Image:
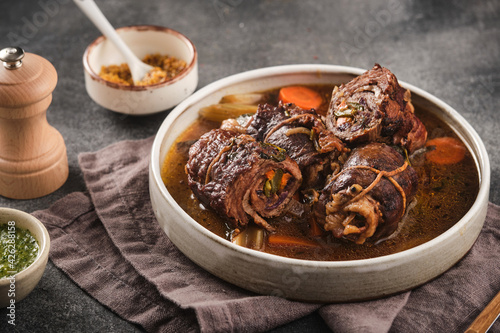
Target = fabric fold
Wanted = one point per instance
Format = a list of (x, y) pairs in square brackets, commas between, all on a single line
[(119, 190), (109, 243), (373, 316), (81, 248)]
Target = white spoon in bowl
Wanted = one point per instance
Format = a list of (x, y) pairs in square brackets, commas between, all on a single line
[(137, 67)]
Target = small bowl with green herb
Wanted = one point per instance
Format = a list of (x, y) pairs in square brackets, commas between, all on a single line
[(24, 251)]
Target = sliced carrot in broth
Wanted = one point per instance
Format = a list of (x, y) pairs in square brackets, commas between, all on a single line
[(301, 96), (280, 240), (446, 150)]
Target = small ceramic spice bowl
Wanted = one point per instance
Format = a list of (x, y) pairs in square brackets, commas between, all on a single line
[(141, 99), (14, 288)]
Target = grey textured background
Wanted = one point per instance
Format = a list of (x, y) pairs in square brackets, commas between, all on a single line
[(448, 48)]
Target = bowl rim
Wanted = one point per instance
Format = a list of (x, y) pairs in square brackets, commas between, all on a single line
[(95, 76), (43, 243), (482, 162)]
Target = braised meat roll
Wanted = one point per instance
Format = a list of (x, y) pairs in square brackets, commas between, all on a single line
[(302, 134), (240, 178), (374, 107), (369, 196)]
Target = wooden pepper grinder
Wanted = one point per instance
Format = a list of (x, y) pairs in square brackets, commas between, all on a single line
[(33, 160)]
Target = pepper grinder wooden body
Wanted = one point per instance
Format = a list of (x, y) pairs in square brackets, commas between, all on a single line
[(33, 160)]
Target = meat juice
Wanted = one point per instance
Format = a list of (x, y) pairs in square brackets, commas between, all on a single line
[(445, 193)]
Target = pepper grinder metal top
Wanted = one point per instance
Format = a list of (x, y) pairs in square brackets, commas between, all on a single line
[(33, 160), (12, 57)]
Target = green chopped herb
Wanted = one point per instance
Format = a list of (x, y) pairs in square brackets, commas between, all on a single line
[(350, 110), (280, 156), (267, 188), (18, 249), (276, 181), (356, 106), (271, 186)]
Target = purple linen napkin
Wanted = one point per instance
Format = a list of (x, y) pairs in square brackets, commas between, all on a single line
[(109, 242)]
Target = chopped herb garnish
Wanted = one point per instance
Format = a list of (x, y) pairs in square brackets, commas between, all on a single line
[(267, 188), (271, 186), (276, 181), (280, 156), (350, 109), (18, 249)]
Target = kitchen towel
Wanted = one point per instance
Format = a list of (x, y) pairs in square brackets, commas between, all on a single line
[(108, 241)]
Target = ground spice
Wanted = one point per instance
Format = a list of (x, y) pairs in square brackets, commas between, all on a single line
[(165, 68)]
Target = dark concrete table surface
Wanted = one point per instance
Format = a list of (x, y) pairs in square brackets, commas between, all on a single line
[(449, 48)]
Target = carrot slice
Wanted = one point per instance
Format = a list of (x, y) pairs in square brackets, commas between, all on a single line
[(270, 174), (284, 180), (301, 96), (280, 240), (447, 150)]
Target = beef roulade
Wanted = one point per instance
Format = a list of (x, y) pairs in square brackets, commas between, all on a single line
[(240, 178), (302, 134), (374, 107), (369, 196)]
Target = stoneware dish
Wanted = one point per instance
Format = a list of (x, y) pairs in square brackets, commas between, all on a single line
[(306, 280), (27, 279), (140, 100)]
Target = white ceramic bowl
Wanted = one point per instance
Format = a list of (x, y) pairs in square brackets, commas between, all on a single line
[(140, 100), (306, 280), (24, 282)]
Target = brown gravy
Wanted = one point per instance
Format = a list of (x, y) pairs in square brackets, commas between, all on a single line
[(445, 194)]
